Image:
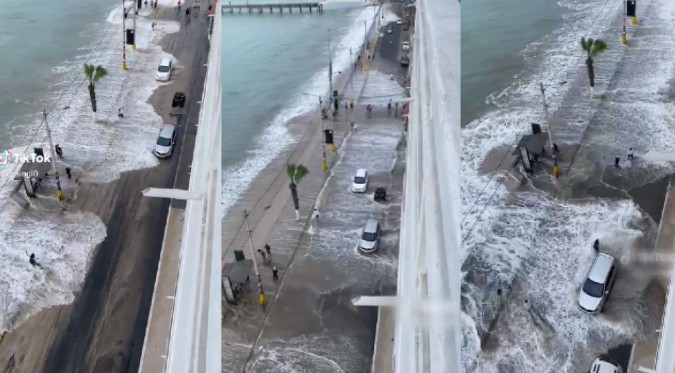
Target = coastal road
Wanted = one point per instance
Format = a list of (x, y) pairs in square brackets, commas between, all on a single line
[(104, 328)]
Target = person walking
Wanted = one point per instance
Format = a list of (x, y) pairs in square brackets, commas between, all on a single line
[(68, 172), (268, 249), (316, 213), (630, 154), (596, 246), (275, 274), (556, 169), (616, 161), (58, 150), (119, 113)]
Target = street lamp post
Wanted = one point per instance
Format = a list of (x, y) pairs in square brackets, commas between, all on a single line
[(548, 119), (261, 291), (59, 191), (124, 37), (135, 16)]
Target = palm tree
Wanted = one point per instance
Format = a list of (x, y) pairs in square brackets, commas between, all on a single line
[(296, 173), (592, 48), (93, 74)]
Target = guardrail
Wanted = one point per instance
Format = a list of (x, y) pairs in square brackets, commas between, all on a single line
[(428, 330)]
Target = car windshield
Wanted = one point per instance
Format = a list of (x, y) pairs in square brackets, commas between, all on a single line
[(163, 69), (164, 141), (368, 236), (359, 180), (593, 288)]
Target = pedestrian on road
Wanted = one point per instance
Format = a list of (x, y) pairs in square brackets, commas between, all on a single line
[(68, 172), (596, 246), (630, 154), (556, 169), (316, 213), (556, 151), (616, 161), (275, 274), (119, 113), (268, 249), (146, 3), (389, 105), (58, 150), (351, 105)]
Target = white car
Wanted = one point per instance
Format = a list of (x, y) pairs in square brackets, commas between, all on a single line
[(360, 181), (370, 237), (405, 46), (164, 70), (599, 281), (165, 141), (605, 365), (399, 22)]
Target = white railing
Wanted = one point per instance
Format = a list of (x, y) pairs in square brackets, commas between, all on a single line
[(428, 327), (195, 340), (665, 358)]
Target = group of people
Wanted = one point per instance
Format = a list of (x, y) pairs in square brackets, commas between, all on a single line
[(267, 256)]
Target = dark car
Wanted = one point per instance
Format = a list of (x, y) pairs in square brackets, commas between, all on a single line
[(405, 61), (380, 194), (178, 99)]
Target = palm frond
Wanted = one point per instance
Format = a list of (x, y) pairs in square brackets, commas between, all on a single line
[(300, 172), (99, 73), (599, 46), (290, 170), (89, 71)]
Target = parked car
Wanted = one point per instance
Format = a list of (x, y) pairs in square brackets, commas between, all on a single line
[(380, 195), (605, 365), (370, 237), (405, 61), (164, 70), (360, 181), (390, 30), (599, 281), (405, 46), (399, 22), (178, 99), (165, 141)]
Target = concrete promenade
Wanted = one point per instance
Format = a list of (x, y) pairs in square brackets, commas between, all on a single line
[(103, 330)]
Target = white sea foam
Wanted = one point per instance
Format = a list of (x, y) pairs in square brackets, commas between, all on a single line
[(63, 241), (276, 138), (541, 247)]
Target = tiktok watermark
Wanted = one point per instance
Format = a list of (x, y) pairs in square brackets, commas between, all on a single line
[(7, 157)]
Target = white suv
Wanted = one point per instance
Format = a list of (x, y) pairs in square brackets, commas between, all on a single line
[(164, 70), (598, 284), (360, 181)]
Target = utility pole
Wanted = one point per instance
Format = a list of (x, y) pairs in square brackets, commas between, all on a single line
[(59, 191), (261, 292), (124, 37), (135, 16), (548, 118), (624, 38), (351, 64)]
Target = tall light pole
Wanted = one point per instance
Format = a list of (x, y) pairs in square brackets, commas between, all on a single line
[(324, 163), (135, 16), (261, 291), (548, 118), (59, 191), (351, 65), (124, 37)]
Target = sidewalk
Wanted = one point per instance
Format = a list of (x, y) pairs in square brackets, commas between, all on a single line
[(103, 329)]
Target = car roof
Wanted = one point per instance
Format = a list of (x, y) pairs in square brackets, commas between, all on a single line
[(361, 172), (601, 266), (371, 225), (167, 130)]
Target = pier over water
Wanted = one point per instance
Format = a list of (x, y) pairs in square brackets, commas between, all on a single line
[(280, 7)]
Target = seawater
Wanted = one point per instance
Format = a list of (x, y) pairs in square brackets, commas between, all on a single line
[(41, 44)]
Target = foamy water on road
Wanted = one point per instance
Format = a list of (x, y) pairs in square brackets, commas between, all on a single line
[(538, 249), (97, 151)]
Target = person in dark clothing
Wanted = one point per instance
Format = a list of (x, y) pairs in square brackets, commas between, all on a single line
[(616, 161), (68, 172), (119, 113), (596, 246), (268, 249), (58, 150), (630, 154), (275, 274), (33, 261)]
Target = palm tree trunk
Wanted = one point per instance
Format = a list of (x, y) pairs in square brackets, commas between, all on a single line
[(296, 201), (591, 72), (92, 97)]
